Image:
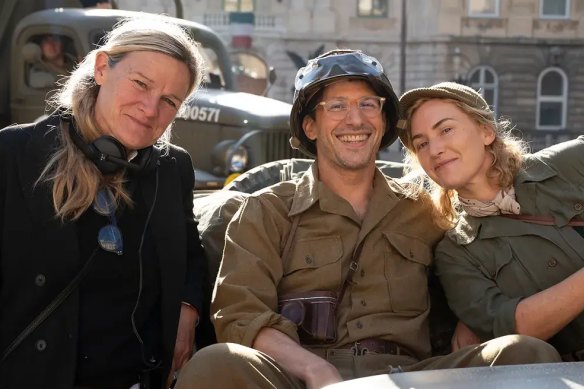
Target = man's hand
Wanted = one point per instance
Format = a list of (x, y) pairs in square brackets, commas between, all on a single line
[(310, 368), (463, 336), (185, 339)]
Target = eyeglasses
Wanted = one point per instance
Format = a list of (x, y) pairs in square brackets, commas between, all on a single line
[(337, 109), (109, 236)]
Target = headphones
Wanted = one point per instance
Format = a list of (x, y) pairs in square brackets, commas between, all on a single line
[(109, 155)]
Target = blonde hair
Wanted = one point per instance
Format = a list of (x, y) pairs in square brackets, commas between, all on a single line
[(507, 151), (76, 179)]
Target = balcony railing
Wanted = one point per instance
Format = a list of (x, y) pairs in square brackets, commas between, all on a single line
[(219, 21), (216, 20)]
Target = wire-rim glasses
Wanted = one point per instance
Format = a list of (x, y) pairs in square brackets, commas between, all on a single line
[(109, 236), (338, 108)]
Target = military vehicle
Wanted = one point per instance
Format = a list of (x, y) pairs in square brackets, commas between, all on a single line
[(226, 131)]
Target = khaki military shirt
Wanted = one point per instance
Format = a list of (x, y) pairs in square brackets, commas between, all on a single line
[(388, 298), (487, 265)]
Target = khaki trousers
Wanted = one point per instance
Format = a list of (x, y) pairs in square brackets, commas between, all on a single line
[(229, 365)]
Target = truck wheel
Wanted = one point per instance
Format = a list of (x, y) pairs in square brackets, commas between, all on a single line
[(268, 174)]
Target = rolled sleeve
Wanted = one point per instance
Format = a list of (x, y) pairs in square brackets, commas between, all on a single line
[(504, 323), (266, 319), (246, 291), (472, 294)]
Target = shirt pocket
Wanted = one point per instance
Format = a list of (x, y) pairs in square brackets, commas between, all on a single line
[(493, 263), (406, 268), (315, 264), (524, 267)]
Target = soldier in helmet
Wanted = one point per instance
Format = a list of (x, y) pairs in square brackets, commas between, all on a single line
[(324, 278)]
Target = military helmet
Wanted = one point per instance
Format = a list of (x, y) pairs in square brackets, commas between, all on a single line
[(330, 67)]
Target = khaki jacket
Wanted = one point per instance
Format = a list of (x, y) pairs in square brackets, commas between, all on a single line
[(487, 265), (388, 298)]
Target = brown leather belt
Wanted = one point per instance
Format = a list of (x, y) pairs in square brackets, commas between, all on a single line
[(110, 386), (377, 346)]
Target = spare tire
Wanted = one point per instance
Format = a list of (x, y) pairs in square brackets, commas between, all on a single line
[(269, 174), (286, 169)]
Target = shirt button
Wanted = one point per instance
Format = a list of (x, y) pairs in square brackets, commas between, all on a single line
[(578, 206), (363, 303), (362, 273), (41, 345), (40, 279), (552, 262), (359, 325), (308, 259)]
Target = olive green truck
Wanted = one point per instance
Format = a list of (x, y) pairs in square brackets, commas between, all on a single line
[(225, 130)]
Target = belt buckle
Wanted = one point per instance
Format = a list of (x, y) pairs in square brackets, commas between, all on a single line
[(396, 349), (358, 350)]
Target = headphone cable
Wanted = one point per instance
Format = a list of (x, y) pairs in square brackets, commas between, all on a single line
[(150, 364)]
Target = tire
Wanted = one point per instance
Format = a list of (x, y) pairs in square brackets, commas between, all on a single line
[(285, 169), (268, 174)]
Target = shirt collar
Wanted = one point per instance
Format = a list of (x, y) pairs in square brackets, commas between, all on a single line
[(534, 169), (469, 227), (310, 190), (306, 193)]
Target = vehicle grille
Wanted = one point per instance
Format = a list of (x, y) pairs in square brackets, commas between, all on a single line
[(267, 146)]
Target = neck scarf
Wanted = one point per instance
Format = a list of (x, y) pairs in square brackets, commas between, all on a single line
[(503, 203)]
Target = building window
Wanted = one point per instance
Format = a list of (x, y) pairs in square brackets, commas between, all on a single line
[(554, 9), (238, 5), (483, 8), (485, 80), (372, 8), (552, 99)]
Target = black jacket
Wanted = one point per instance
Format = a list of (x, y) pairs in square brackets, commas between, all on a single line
[(39, 256)]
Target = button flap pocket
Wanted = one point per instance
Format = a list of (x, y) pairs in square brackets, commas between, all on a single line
[(411, 248), (492, 257), (315, 253)]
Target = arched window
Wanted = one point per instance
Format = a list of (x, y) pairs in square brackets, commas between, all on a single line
[(485, 80), (552, 99)]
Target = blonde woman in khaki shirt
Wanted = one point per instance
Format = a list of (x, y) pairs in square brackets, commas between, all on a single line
[(513, 262)]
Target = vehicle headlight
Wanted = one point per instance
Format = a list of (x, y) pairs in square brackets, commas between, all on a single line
[(237, 159), (229, 156)]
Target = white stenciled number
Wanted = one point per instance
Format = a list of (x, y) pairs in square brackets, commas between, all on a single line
[(195, 113), (213, 115), (203, 114)]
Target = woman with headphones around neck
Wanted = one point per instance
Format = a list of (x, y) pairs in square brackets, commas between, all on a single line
[(100, 259)]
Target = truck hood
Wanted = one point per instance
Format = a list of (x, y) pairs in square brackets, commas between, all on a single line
[(238, 109)]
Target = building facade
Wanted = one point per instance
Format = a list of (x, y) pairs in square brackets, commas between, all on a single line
[(524, 55)]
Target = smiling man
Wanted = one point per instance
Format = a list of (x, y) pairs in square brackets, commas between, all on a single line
[(325, 278)]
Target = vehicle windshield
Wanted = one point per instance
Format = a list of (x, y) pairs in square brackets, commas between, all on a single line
[(213, 78)]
